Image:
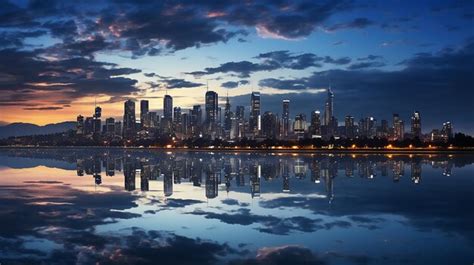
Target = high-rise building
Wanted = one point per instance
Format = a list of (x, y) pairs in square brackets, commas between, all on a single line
[(80, 125), (299, 126), (97, 112), (447, 130), (129, 120), (269, 125), (110, 126), (168, 108), (285, 118), (349, 126), (329, 108), (240, 112), (254, 119), (315, 128), (212, 105), (118, 128), (196, 119), (144, 109), (371, 129), (227, 116), (416, 125), (398, 128), (177, 119)]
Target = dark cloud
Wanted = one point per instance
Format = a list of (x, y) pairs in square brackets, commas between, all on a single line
[(29, 73), (363, 65), (356, 23), (284, 84), (272, 61), (15, 39), (171, 83), (62, 29), (44, 108), (370, 57), (283, 255), (234, 84), (270, 224)]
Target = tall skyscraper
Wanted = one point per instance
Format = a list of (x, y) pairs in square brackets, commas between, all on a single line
[(299, 126), (447, 130), (416, 124), (80, 125), (144, 109), (254, 120), (212, 105), (329, 108), (227, 116), (110, 126), (398, 128), (196, 120), (269, 125), (129, 120), (168, 107), (315, 123), (240, 112), (349, 127), (285, 118), (97, 112)]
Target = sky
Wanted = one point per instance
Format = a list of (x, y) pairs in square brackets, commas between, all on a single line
[(59, 58)]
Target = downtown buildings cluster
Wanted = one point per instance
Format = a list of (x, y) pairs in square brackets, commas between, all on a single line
[(215, 122)]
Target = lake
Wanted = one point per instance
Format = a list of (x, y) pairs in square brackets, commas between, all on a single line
[(119, 206)]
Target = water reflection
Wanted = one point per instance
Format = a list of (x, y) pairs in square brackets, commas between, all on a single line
[(238, 170), (115, 206)]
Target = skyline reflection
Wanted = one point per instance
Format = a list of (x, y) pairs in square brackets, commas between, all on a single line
[(232, 208)]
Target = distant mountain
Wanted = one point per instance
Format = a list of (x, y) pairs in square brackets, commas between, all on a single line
[(24, 129)]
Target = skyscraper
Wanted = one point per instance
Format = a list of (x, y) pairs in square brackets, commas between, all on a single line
[(299, 126), (144, 109), (269, 125), (285, 118), (129, 120), (80, 125), (398, 128), (168, 108), (447, 130), (254, 120), (416, 125), (212, 104), (227, 116), (196, 120), (329, 108), (315, 123), (349, 126)]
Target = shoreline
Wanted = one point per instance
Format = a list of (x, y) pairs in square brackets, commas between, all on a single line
[(269, 150)]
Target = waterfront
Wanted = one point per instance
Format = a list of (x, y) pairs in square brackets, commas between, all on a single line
[(116, 206)]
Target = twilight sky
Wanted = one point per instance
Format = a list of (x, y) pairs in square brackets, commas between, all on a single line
[(380, 57)]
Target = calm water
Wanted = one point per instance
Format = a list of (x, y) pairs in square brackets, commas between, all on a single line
[(151, 207)]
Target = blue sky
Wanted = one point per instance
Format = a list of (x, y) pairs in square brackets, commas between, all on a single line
[(380, 57)]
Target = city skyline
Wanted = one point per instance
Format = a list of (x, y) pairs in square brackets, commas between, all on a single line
[(225, 124), (58, 58)]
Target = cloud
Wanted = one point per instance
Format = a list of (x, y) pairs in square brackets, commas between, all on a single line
[(234, 84), (172, 83), (268, 223), (44, 108), (282, 255), (31, 77), (271, 61), (363, 65), (358, 23), (15, 39)]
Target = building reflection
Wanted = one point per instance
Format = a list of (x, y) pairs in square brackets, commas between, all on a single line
[(214, 172)]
